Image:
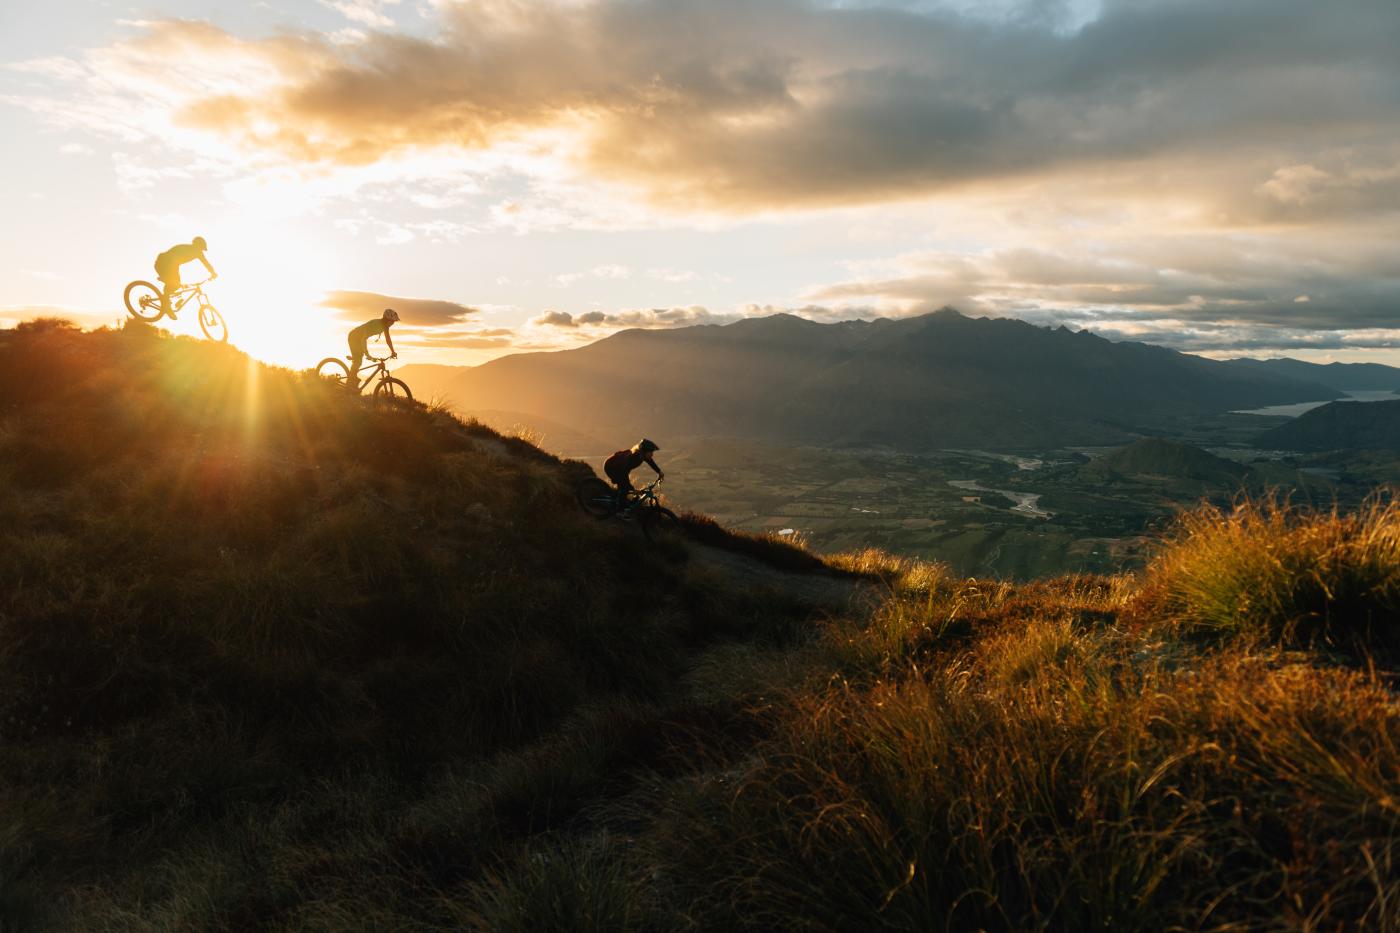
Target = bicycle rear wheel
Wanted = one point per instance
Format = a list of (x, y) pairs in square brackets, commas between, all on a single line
[(143, 302), (334, 370), (596, 497), (392, 390), (660, 524), (212, 323)]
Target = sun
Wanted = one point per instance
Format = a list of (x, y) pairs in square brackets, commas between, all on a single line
[(271, 282)]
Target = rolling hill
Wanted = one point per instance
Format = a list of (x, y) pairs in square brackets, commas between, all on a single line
[(1154, 457), (937, 380), (1339, 426), (276, 658)]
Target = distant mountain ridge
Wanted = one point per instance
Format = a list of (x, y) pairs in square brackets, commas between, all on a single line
[(1339, 426), (1344, 377), (936, 380)]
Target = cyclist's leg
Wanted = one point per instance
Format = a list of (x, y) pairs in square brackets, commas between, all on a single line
[(170, 278), (624, 487), (357, 356)]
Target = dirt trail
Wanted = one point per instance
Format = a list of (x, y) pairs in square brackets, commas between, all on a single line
[(820, 591)]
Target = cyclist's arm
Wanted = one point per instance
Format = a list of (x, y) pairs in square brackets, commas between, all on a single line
[(212, 273), (390, 341), (652, 463)]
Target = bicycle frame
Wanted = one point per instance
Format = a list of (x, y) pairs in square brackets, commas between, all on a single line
[(640, 498), (376, 367), (182, 295)]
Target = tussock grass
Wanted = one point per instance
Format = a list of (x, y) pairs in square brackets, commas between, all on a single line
[(1284, 574), (1057, 777)]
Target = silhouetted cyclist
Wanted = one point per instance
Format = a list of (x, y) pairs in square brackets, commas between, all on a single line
[(621, 464), (168, 266), (359, 340)]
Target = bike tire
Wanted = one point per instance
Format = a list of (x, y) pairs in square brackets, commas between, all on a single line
[(212, 323), (393, 390), (143, 301), (596, 498), (660, 524), (334, 370)]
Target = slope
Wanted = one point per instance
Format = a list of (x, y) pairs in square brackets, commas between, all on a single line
[(1339, 426), (237, 603), (274, 658), (1154, 457)]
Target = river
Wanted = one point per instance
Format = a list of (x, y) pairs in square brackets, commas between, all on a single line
[(1026, 502)]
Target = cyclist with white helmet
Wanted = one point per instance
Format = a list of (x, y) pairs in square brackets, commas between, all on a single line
[(619, 466), (359, 340), (168, 266)]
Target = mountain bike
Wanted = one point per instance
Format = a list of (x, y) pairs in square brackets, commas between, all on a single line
[(658, 523), (388, 387), (143, 302)]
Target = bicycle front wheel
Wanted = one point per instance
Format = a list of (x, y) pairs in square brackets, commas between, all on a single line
[(334, 370), (596, 497), (143, 302), (660, 524), (212, 323), (393, 390)]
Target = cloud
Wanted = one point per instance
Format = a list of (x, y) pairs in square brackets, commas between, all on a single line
[(1197, 291), (741, 105), (352, 305), (647, 318), (555, 319)]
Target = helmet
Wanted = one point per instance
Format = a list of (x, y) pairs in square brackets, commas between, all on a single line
[(391, 315), (199, 244), (646, 446)]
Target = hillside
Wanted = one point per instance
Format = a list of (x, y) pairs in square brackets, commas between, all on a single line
[(938, 380), (1154, 457), (275, 658), (1339, 426)]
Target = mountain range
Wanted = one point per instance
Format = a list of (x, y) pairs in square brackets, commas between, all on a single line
[(935, 380), (1344, 377)]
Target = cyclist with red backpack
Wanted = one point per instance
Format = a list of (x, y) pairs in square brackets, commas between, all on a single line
[(620, 465)]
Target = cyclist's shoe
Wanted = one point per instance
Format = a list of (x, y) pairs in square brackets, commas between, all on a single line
[(170, 313)]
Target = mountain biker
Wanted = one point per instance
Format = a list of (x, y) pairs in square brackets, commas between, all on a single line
[(168, 266), (623, 462), (359, 340)]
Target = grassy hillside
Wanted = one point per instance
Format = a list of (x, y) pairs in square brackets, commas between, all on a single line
[(274, 658), (1339, 426), (1170, 461)]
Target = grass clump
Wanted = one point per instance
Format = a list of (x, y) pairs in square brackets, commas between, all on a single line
[(1288, 575), (1056, 774)]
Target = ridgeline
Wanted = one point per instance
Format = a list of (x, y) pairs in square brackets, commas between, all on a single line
[(276, 658)]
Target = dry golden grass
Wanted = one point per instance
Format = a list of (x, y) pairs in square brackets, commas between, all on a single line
[(273, 658), (1268, 571)]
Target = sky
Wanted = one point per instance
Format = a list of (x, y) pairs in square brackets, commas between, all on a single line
[(1219, 176)]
